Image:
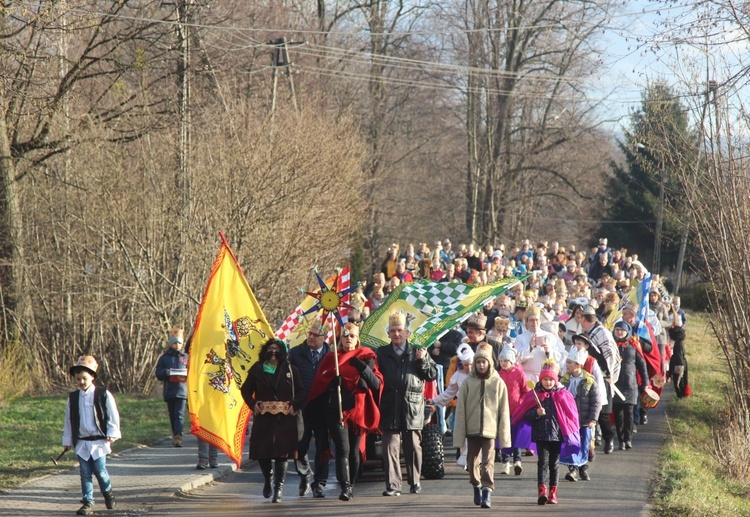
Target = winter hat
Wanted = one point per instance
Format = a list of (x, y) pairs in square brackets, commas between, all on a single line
[(484, 352), (549, 370), (578, 356), (508, 354), (85, 363), (624, 325), (465, 354)]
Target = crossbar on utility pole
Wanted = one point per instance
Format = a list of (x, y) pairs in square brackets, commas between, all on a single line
[(280, 59)]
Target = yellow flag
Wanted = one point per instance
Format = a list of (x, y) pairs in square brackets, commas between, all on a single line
[(229, 331)]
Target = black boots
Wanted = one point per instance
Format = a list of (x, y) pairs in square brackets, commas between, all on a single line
[(477, 495), (486, 501), (109, 499), (266, 467), (279, 474), (342, 475), (304, 484)]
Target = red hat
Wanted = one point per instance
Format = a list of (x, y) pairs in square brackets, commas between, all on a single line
[(549, 370)]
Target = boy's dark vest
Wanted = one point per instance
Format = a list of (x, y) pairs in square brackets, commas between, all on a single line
[(100, 408)]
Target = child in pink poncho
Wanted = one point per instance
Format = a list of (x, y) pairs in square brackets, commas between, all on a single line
[(552, 417)]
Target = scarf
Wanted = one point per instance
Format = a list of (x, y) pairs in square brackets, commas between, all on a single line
[(269, 368)]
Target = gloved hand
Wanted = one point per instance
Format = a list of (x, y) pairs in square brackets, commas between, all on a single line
[(336, 382), (358, 363)]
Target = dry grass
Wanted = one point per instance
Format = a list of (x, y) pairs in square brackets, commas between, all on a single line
[(13, 359), (696, 478)]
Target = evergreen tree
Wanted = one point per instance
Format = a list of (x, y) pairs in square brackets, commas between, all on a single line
[(657, 143)]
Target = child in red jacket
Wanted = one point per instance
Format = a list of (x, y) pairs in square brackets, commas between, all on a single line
[(515, 380)]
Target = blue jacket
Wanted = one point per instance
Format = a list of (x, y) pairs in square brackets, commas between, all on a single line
[(172, 359)]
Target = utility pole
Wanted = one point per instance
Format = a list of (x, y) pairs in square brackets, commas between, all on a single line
[(280, 59), (184, 97), (659, 220)]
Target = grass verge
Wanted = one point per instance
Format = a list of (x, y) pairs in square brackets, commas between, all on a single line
[(31, 432), (691, 481)]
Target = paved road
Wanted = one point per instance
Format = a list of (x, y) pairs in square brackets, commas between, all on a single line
[(162, 480)]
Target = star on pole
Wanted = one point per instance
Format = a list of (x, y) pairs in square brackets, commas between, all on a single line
[(329, 299)]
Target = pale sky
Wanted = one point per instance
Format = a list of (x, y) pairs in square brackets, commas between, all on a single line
[(629, 63)]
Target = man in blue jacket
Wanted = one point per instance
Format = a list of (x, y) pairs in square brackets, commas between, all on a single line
[(307, 358)]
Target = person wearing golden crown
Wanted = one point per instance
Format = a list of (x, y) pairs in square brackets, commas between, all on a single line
[(171, 369), (405, 368)]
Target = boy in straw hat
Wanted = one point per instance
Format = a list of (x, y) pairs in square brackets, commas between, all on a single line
[(171, 369), (92, 423)]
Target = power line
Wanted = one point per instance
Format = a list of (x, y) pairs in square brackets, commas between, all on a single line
[(447, 87), (360, 33)]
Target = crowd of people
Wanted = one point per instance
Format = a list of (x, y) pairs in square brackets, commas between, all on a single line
[(547, 368), (558, 366)]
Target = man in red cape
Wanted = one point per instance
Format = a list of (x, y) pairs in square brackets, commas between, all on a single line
[(653, 358)]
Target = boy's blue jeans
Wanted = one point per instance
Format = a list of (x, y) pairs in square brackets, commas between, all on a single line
[(505, 458), (90, 468), (176, 408)]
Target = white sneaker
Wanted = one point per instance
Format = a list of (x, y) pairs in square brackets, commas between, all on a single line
[(506, 469)]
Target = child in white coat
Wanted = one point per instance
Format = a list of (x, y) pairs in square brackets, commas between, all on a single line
[(482, 416)]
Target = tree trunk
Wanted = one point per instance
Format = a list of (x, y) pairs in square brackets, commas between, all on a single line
[(15, 300)]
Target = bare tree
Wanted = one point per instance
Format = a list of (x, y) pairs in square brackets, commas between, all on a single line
[(526, 110), (104, 71)]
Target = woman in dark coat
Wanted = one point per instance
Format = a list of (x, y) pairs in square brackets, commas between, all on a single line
[(632, 381), (273, 390), (678, 366)]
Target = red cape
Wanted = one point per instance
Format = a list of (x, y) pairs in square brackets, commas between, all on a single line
[(652, 359), (365, 415)]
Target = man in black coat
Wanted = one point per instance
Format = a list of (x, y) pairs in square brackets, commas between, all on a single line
[(307, 357), (405, 369)]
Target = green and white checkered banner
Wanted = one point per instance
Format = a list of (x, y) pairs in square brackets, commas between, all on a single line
[(431, 309)]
